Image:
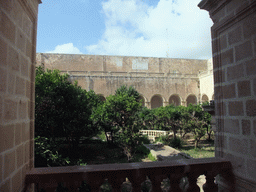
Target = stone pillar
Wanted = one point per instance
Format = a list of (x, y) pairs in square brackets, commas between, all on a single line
[(234, 68), (147, 104), (184, 103), (18, 26), (165, 104)]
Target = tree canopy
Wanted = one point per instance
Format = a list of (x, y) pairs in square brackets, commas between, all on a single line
[(63, 109)]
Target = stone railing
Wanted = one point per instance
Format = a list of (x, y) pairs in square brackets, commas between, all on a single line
[(72, 176), (152, 134)]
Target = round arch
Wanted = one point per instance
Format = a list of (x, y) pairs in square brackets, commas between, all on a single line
[(142, 100), (205, 98), (156, 101), (191, 99), (175, 100), (102, 98)]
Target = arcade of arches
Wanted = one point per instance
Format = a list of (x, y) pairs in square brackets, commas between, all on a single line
[(160, 81)]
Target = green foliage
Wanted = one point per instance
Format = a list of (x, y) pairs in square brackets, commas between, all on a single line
[(176, 142), (173, 142), (131, 92), (46, 154), (198, 121), (119, 116), (102, 136), (151, 157), (141, 149), (168, 118), (148, 118), (163, 139), (144, 139), (63, 109)]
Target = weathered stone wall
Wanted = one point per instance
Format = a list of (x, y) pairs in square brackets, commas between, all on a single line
[(67, 62), (206, 83), (18, 25), (150, 76), (234, 68)]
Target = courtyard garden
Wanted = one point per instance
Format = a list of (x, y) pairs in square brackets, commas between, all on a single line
[(74, 127), (68, 119)]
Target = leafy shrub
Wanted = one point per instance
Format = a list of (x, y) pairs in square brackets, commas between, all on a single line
[(102, 136), (163, 139), (141, 149), (144, 139), (47, 155), (175, 142), (151, 157)]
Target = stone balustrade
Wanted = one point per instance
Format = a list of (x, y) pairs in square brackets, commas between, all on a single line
[(152, 134), (72, 177)]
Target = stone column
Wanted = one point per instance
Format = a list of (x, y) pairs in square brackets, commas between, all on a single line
[(165, 104), (148, 105)]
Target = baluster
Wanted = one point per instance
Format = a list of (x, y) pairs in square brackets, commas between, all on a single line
[(175, 182), (192, 186), (136, 177), (95, 180), (210, 186), (73, 185), (116, 181), (156, 182)]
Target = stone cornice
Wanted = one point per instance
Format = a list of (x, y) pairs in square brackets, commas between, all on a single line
[(208, 5), (212, 6)]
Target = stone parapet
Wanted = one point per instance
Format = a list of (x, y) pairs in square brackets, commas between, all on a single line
[(94, 175)]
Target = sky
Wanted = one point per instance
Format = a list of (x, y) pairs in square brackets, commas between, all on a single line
[(147, 28)]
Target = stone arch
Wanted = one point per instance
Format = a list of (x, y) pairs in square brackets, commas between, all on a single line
[(175, 100), (142, 100), (156, 101), (191, 99), (102, 98), (205, 98), (213, 97)]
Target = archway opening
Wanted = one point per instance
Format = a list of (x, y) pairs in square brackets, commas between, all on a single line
[(156, 101), (175, 100), (102, 98), (205, 98), (142, 100), (191, 99)]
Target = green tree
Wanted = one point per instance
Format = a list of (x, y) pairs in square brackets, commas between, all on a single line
[(148, 118), (198, 121), (119, 115), (62, 109), (169, 118), (131, 92)]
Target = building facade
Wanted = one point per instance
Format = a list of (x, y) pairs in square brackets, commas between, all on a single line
[(160, 81)]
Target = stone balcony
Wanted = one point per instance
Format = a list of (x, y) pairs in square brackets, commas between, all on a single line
[(72, 177)]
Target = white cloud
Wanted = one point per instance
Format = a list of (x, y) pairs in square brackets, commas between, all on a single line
[(133, 28), (68, 48)]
